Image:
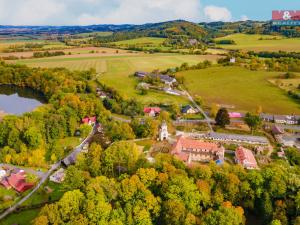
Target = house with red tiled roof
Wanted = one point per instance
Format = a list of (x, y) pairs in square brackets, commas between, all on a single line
[(18, 182), (89, 120), (245, 157), (190, 150), (5, 183), (152, 111)]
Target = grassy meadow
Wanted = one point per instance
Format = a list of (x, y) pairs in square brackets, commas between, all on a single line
[(239, 87), (116, 71), (254, 42), (146, 43)]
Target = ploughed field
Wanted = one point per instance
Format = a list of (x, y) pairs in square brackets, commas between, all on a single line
[(254, 42), (241, 88)]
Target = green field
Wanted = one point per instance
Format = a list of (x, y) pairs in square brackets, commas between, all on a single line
[(6, 43), (141, 41), (146, 43), (116, 71), (252, 42), (22, 218), (239, 87)]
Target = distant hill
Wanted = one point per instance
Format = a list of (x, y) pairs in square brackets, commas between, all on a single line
[(164, 29), (171, 30), (219, 29), (60, 30)]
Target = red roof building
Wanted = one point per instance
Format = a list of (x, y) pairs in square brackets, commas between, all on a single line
[(18, 182), (235, 115), (189, 150), (246, 158), (89, 120), (5, 183), (152, 111)]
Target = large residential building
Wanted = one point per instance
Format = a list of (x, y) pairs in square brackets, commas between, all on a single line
[(237, 138), (190, 150), (245, 158)]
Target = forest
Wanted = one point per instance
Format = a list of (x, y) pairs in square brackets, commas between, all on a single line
[(119, 186)]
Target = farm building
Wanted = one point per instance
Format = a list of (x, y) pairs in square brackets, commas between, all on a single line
[(152, 111), (281, 119), (235, 115), (167, 79), (245, 158), (188, 110), (17, 181), (189, 150), (58, 176), (141, 74), (236, 138), (89, 120), (276, 130)]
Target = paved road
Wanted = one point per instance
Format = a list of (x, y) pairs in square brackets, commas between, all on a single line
[(46, 175), (207, 119)]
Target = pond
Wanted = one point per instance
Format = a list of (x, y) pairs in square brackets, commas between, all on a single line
[(16, 100)]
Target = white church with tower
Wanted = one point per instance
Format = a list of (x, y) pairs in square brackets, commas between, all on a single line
[(163, 132)]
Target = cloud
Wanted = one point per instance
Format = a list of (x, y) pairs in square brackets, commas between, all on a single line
[(85, 12), (19, 12), (146, 11), (244, 18), (215, 13)]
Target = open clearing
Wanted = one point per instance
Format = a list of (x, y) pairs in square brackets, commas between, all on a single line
[(116, 71), (242, 88), (146, 43), (76, 52), (252, 42)]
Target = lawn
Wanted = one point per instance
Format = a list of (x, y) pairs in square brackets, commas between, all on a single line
[(116, 71), (239, 87), (22, 218), (252, 42)]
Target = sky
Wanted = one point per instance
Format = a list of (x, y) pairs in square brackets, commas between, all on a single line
[(87, 12)]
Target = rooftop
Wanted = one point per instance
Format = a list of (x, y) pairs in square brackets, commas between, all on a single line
[(239, 137)]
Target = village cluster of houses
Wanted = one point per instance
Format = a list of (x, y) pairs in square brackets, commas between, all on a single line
[(286, 139), (155, 111), (168, 80), (16, 179), (281, 119)]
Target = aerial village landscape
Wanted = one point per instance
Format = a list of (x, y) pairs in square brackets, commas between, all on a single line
[(177, 122)]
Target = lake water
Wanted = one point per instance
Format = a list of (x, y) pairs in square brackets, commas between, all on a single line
[(15, 100)]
